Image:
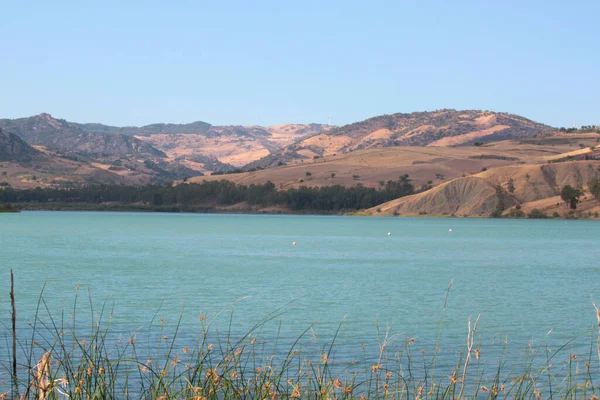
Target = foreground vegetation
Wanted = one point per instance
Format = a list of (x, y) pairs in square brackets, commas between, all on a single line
[(67, 358)]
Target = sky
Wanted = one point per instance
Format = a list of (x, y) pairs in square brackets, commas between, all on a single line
[(273, 62)]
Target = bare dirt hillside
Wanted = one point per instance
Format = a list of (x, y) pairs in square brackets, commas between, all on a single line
[(469, 196), (537, 182), (535, 186)]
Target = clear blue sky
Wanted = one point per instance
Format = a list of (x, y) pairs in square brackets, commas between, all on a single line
[(271, 62)]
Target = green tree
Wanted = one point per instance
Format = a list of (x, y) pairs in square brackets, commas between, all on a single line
[(497, 213), (570, 195), (537, 214), (594, 185), (511, 185)]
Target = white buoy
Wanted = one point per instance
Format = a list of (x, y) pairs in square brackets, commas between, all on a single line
[(389, 233), (293, 243), (450, 230)]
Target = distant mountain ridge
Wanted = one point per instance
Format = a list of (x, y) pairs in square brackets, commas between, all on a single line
[(165, 151), (197, 127), (193, 128), (151, 153), (58, 134), (444, 128)]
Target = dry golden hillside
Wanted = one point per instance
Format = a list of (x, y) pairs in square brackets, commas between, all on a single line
[(536, 186), (537, 182), (441, 128), (221, 147), (469, 196), (423, 164), (369, 167)]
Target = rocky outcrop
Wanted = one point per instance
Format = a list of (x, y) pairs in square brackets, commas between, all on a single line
[(13, 148)]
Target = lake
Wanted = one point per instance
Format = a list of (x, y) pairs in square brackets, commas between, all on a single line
[(524, 277)]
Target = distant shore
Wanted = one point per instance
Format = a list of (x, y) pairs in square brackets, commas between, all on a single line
[(244, 209), (30, 206)]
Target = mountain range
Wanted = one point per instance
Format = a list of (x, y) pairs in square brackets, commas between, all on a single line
[(139, 155), (459, 161), (441, 128)]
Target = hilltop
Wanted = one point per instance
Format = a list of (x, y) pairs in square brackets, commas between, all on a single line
[(60, 135), (442, 128)]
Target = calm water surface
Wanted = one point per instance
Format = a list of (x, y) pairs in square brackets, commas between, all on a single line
[(525, 277)]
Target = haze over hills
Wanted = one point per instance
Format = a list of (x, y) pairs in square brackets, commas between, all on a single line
[(442, 128)]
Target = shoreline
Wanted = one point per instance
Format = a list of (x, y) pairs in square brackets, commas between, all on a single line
[(86, 207)]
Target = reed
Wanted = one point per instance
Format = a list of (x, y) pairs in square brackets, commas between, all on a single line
[(73, 356)]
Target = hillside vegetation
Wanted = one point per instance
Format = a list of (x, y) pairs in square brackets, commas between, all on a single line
[(442, 128), (528, 186)]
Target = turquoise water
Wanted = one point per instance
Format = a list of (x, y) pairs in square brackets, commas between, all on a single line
[(525, 277)]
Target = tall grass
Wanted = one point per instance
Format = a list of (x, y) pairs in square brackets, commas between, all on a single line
[(77, 356)]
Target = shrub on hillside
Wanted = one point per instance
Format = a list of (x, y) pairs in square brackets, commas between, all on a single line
[(537, 214)]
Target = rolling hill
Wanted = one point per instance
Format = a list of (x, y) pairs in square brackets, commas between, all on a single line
[(459, 161), (207, 148), (422, 163), (442, 128), (464, 180), (230, 146), (535, 186), (182, 150)]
